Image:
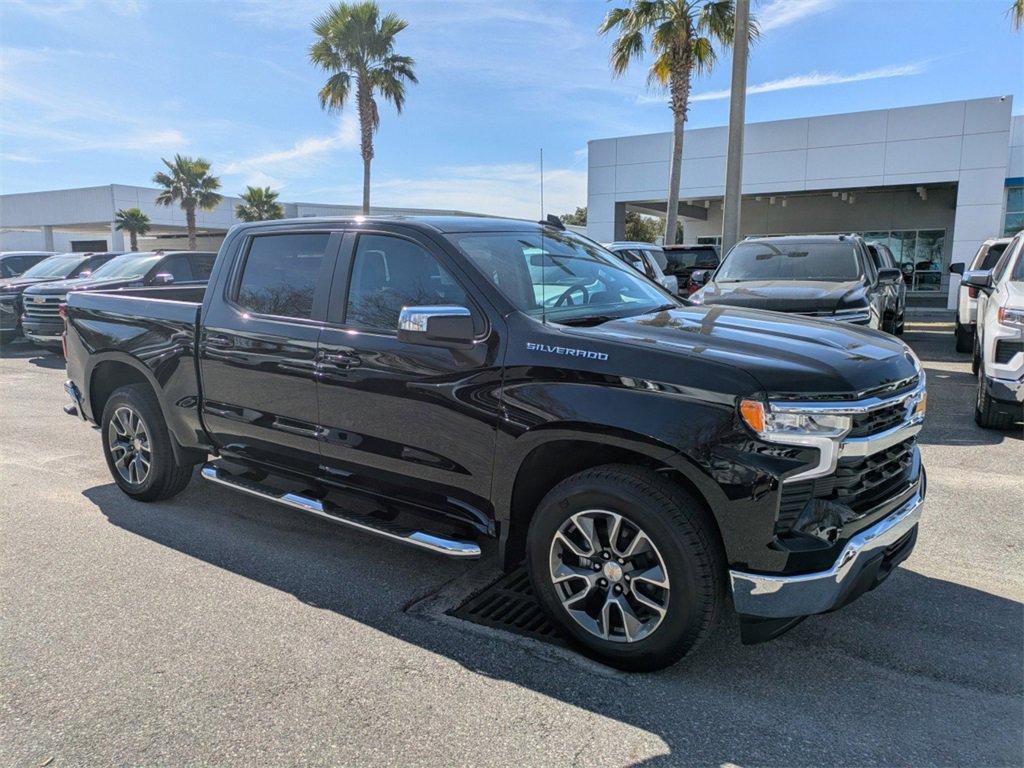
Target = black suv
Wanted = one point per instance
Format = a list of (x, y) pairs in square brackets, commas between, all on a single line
[(684, 260), (63, 266), (438, 380), (41, 321), (828, 277)]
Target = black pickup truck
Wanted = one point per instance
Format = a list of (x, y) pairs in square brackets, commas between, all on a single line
[(436, 380), (827, 277)]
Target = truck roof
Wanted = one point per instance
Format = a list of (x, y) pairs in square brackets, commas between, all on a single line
[(442, 224)]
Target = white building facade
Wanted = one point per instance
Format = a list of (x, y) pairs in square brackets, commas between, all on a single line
[(932, 182), (83, 219)]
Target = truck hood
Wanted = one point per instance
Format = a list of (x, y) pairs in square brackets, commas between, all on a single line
[(1015, 294), (785, 295), (19, 284), (82, 284), (788, 355)]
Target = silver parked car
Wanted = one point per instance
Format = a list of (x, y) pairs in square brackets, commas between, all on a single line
[(647, 258)]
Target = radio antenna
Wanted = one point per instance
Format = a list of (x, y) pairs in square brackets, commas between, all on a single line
[(543, 250), (542, 183)]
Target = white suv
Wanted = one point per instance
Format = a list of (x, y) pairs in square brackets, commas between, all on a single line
[(967, 297), (999, 341)]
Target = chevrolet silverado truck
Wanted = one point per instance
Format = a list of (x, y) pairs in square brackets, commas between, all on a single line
[(437, 381)]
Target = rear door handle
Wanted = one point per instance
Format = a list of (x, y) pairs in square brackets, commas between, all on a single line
[(341, 359), (220, 342)]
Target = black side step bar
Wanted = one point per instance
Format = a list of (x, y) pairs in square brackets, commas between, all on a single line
[(328, 511)]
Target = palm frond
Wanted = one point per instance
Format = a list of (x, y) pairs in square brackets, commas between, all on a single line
[(704, 56)]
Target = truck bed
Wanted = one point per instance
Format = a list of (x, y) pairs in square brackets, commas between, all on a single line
[(152, 330)]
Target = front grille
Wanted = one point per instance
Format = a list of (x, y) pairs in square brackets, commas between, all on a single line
[(878, 420), (860, 484), (43, 307), (1006, 349)]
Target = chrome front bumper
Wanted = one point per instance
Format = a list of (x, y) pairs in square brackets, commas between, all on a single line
[(779, 597)]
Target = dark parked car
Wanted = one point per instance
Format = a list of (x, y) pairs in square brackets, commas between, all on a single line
[(13, 263), (41, 321), (59, 267), (894, 319), (828, 277), (422, 379), (683, 260)]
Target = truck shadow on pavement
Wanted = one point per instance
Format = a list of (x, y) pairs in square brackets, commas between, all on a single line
[(38, 356), (921, 671)]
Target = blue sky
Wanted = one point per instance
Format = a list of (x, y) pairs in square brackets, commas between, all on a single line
[(96, 91)]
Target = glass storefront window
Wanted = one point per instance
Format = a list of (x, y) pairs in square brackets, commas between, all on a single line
[(1014, 221)]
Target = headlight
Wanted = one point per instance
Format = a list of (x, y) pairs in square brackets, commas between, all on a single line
[(859, 315), (1014, 318), (775, 423)]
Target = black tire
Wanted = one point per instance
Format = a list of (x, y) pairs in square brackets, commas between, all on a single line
[(901, 325), (964, 338), (889, 323), (976, 354), (165, 477), (685, 535), (986, 414)]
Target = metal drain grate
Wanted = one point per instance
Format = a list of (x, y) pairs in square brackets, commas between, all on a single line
[(509, 604)]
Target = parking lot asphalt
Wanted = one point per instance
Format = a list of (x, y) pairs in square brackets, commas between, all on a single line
[(215, 628)]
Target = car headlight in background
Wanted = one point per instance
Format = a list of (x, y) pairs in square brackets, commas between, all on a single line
[(1012, 318), (859, 316)]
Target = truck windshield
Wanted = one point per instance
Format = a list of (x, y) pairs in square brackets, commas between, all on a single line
[(55, 266), (830, 262), (128, 266), (561, 275)]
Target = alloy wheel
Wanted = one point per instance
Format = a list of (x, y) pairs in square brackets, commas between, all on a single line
[(609, 576), (128, 442)]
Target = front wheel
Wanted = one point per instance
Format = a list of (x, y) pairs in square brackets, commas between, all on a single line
[(137, 446), (964, 338), (628, 565)]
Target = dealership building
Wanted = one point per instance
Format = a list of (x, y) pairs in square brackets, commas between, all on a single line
[(83, 219), (930, 181)]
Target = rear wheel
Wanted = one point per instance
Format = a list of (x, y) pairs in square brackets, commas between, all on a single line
[(137, 446), (628, 565), (964, 338)]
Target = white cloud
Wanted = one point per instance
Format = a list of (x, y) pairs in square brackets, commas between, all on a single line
[(782, 13), (265, 168), (59, 10), (816, 79)]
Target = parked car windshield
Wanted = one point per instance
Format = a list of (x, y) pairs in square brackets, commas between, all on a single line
[(830, 262), (128, 265), (561, 275), (55, 266)]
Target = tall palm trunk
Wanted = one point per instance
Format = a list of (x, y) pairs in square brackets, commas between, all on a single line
[(366, 138), (680, 89), (134, 241), (190, 222)]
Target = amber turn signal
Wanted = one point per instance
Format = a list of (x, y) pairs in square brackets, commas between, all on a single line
[(752, 413)]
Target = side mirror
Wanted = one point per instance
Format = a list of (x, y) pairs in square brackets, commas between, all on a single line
[(957, 268), (163, 278), (978, 278), (700, 276), (85, 273), (440, 326), (889, 276)]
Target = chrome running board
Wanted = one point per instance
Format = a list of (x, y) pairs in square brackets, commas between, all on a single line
[(328, 511)]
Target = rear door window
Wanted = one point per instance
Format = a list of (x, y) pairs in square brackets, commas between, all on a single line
[(202, 265), (280, 274)]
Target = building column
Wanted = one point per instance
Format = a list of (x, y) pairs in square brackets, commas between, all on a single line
[(116, 238), (979, 216), (47, 238)]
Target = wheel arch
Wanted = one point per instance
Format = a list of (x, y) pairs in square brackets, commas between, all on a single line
[(553, 455)]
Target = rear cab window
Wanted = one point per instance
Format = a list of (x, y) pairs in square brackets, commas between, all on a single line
[(280, 274)]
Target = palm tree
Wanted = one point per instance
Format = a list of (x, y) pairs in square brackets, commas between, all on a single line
[(683, 35), (356, 45), (1017, 14), (134, 222), (189, 184), (260, 205)]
